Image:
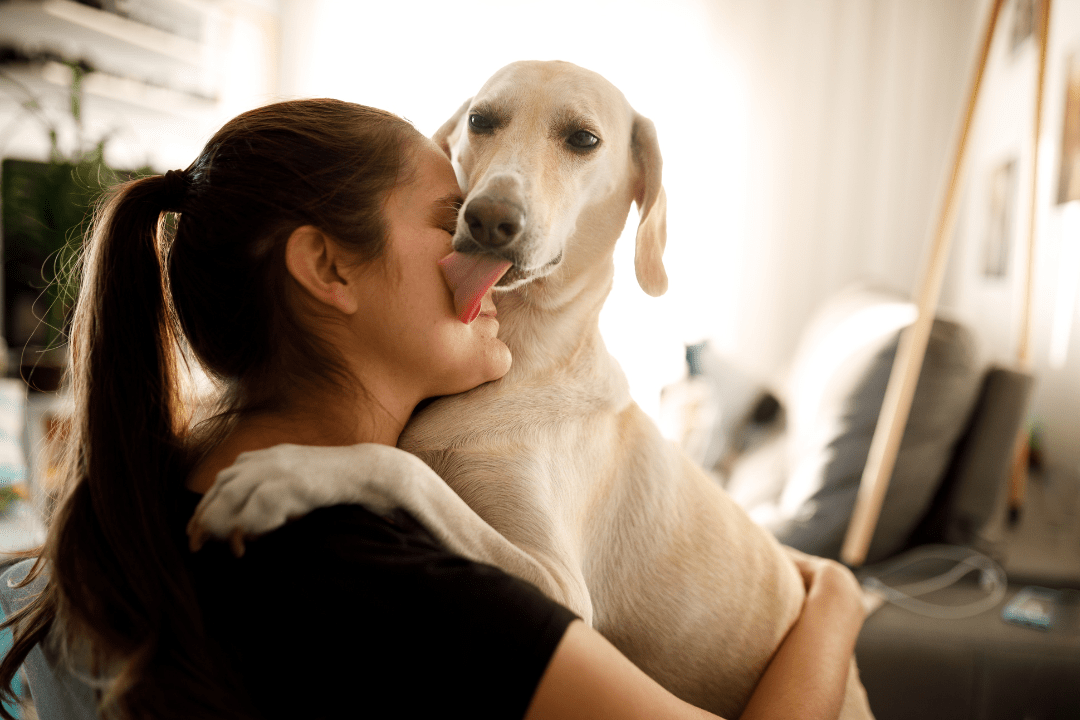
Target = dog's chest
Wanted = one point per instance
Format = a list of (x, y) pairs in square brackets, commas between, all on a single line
[(528, 446), (501, 418)]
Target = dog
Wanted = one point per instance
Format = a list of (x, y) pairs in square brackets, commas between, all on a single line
[(565, 481)]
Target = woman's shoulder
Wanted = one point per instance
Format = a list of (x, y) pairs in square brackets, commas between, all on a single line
[(350, 549), (385, 592), (347, 533), (341, 531)]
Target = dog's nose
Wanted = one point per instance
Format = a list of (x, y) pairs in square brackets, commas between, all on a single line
[(494, 222)]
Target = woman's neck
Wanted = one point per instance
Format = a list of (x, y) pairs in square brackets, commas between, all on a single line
[(331, 423)]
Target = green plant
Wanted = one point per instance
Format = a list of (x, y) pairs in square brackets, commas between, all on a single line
[(46, 211)]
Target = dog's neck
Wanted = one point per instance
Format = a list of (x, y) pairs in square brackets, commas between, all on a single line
[(554, 322)]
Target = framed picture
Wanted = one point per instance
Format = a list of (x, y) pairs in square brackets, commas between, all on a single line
[(1023, 25), (1001, 203), (1069, 172)]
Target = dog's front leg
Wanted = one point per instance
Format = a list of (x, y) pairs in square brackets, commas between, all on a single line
[(264, 489)]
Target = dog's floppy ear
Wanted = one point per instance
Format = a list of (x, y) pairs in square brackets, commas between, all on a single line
[(652, 206), (447, 135)]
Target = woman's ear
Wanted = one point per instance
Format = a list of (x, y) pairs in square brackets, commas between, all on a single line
[(313, 260)]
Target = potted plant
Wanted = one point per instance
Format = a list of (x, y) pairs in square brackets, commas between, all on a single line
[(46, 208)]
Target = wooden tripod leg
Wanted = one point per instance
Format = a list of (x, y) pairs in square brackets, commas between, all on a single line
[(912, 348), (1019, 475)]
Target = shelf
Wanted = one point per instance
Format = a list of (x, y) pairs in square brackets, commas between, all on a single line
[(50, 76), (109, 43), (54, 17)]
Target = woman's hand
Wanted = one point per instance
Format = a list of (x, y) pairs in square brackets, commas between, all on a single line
[(808, 675), (830, 582)]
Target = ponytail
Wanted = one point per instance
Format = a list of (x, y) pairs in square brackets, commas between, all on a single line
[(119, 571), (213, 278)]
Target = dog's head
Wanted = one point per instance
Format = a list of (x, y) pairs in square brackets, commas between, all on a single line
[(548, 154)]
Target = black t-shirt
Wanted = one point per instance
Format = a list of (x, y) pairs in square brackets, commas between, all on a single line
[(344, 613)]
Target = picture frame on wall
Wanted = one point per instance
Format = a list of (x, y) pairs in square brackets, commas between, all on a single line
[(1069, 168), (997, 241), (1023, 24)]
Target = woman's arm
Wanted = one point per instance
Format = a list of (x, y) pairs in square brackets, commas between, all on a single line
[(807, 676), (589, 678)]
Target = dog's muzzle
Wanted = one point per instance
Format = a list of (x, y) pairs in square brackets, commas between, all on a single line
[(494, 222)]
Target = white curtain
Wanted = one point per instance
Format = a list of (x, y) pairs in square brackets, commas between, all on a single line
[(855, 106)]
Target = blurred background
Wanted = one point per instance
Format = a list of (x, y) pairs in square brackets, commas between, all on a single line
[(807, 146), (807, 143)]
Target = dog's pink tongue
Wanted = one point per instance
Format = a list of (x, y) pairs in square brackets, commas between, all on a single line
[(470, 277)]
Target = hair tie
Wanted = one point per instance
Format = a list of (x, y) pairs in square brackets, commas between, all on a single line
[(176, 190)]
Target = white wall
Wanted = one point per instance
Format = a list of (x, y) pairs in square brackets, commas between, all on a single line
[(146, 123), (854, 110), (423, 59), (804, 142), (993, 305)]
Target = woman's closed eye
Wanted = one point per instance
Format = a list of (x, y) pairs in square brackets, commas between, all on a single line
[(445, 212)]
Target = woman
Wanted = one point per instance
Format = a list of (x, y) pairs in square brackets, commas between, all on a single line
[(302, 275)]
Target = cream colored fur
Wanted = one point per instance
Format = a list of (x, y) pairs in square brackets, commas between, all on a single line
[(556, 457)]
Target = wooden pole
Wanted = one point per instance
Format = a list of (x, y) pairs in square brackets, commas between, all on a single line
[(912, 347), (1018, 476)]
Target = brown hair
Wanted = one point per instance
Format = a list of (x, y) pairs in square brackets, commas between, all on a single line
[(219, 289)]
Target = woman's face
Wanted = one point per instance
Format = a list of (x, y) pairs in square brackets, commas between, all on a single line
[(407, 318)]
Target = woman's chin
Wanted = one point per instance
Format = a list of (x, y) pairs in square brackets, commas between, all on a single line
[(495, 363), (502, 361), (491, 364)]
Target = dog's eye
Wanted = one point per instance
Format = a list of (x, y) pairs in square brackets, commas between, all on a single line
[(583, 139), (480, 123)]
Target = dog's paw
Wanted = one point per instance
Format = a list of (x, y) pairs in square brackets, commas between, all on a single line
[(264, 489)]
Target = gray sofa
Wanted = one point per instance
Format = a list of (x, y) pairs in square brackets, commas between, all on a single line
[(797, 474), (802, 484)]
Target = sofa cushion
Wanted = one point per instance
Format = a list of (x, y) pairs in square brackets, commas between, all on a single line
[(833, 398), (717, 411), (975, 481)]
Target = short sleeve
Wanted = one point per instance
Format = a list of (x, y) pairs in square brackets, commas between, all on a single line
[(347, 614)]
